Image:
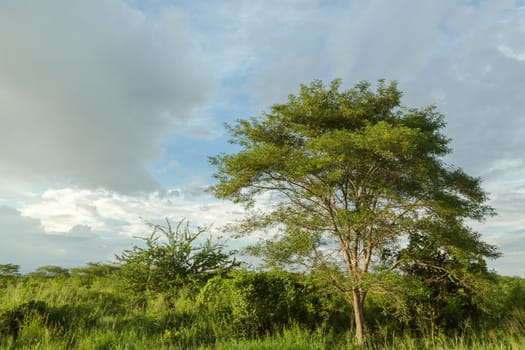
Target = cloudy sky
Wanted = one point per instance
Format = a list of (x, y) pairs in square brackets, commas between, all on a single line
[(110, 108)]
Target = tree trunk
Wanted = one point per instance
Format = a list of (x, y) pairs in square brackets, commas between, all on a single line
[(358, 295)]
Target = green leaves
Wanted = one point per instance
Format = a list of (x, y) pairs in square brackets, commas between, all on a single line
[(355, 162), (9, 270), (49, 271), (171, 258)]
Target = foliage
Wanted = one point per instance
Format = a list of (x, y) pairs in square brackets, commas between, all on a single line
[(282, 310), (11, 320), (9, 273), (49, 271), (94, 271), (164, 264), (350, 174), (250, 303), (9, 270)]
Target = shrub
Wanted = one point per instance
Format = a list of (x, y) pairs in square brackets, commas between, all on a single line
[(172, 258), (254, 303)]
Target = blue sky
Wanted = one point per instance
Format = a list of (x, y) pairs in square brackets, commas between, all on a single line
[(110, 109)]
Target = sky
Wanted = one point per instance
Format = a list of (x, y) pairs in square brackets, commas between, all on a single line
[(109, 109)]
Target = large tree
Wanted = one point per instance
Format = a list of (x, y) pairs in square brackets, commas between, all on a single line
[(352, 176)]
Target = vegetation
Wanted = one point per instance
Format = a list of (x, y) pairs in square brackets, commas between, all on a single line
[(362, 202), (240, 309), (352, 173), (222, 306), (174, 261)]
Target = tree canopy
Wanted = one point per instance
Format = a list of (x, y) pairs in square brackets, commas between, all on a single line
[(358, 188)]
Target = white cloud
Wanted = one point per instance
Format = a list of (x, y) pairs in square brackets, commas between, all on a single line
[(70, 227), (89, 89), (118, 214), (26, 243)]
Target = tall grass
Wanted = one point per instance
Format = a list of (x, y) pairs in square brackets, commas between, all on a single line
[(75, 314), (35, 336)]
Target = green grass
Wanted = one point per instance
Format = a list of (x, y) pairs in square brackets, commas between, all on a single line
[(36, 337), (99, 315)]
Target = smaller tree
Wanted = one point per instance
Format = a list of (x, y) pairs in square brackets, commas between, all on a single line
[(172, 258), (94, 270), (9, 270), (49, 271)]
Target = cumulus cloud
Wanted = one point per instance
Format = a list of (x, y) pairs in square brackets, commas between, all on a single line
[(125, 215), (26, 243), (89, 89), (69, 227)]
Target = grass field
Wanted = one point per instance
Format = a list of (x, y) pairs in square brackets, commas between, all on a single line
[(96, 313)]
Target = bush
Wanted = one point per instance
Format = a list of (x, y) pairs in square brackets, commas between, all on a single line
[(172, 258), (255, 303)]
